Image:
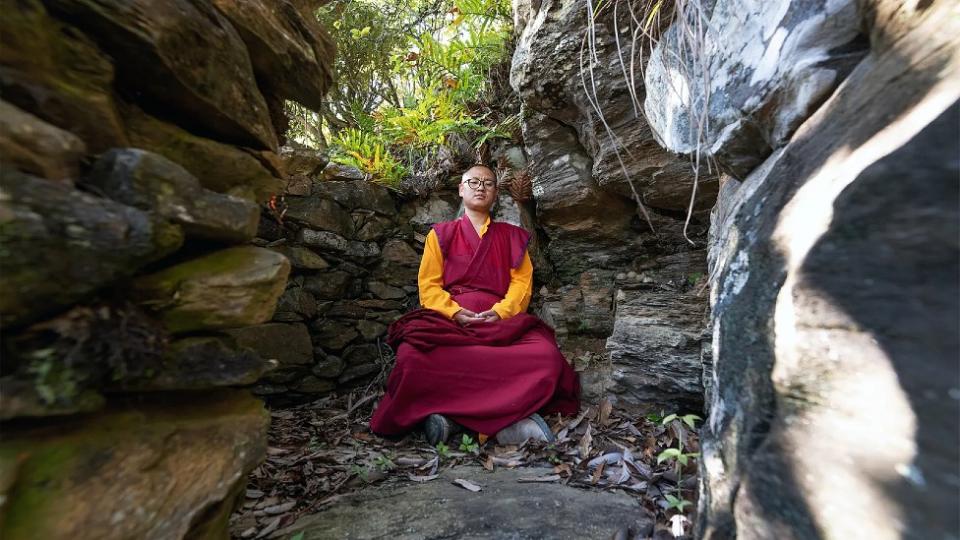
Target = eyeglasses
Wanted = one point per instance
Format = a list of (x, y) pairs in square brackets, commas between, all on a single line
[(475, 183)]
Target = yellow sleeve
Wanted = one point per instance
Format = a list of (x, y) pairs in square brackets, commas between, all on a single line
[(430, 279), (521, 288)]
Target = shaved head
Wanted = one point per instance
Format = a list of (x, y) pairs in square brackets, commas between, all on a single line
[(493, 173)]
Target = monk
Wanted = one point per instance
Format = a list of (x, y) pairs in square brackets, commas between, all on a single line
[(472, 357)]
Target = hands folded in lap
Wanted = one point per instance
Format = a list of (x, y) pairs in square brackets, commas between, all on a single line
[(465, 317)]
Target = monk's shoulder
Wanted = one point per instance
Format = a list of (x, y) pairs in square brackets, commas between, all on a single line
[(511, 229), (444, 227)]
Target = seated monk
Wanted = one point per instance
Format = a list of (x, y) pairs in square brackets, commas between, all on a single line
[(472, 356)]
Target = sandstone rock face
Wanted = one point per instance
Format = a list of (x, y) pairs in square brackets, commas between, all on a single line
[(38, 148), (151, 182), (51, 70), (161, 468), (287, 52), (761, 76), (193, 57), (233, 287), (219, 167), (61, 244), (835, 307), (164, 95)]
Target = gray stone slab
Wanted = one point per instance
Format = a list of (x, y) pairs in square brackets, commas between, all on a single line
[(503, 509)]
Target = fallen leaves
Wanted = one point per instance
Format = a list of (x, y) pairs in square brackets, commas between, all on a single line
[(321, 452), (468, 485)]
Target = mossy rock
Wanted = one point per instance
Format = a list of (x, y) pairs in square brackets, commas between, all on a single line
[(34, 146), (219, 167), (151, 182), (57, 73), (180, 57), (59, 245), (162, 467), (226, 289)]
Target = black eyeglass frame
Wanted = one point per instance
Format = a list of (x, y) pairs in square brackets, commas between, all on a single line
[(474, 183)]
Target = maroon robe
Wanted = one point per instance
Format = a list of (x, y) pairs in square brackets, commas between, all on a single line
[(485, 376)]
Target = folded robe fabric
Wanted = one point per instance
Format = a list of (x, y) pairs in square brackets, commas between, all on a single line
[(484, 376)]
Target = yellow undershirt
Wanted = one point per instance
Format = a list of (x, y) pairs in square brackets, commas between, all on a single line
[(430, 281)]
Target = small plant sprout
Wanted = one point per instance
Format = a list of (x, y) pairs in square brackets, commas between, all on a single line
[(679, 457), (443, 450), (467, 444), (384, 463)]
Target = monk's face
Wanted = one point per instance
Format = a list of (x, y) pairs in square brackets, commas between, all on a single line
[(478, 189)]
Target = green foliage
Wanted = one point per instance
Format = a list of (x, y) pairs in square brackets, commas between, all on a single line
[(384, 463), (467, 444), (443, 450), (360, 471), (53, 380), (368, 153), (679, 457), (676, 502), (411, 74)]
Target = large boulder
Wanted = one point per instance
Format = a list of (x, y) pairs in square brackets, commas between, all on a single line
[(587, 227), (58, 74), (38, 148), (169, 467), (835, 309), (219, 167), (232, 287), (152, 182), (757, 76), (196, 64), (596, 91), (60, 245), (655, 349), (293, 59)]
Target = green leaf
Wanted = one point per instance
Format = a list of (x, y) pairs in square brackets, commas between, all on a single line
[(669, 418), (669, 453), (690, 419)]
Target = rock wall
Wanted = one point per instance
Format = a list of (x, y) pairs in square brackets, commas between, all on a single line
[(611, 277), (137, 139), (833, 264)]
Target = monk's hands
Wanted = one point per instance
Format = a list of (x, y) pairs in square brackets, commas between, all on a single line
[(465, 317), (489, 316)]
